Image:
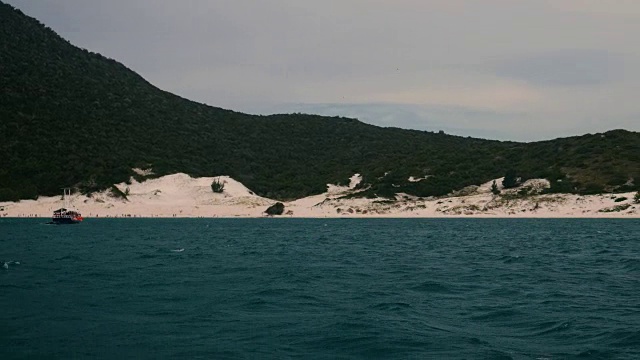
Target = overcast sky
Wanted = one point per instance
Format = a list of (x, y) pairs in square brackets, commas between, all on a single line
[(502, 69)]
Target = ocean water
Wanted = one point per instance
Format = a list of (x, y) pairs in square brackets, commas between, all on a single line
[(320, 289)]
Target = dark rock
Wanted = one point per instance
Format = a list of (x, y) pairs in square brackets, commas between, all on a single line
[(275, 209)]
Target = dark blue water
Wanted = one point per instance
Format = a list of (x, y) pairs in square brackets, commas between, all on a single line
[(289, 288)]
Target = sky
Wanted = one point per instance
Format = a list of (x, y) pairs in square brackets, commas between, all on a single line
[(522, 70)]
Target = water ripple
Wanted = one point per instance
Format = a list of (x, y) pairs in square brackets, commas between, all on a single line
[(345, 289)]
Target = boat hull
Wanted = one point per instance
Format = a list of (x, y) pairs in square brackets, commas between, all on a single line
[(65, 221)]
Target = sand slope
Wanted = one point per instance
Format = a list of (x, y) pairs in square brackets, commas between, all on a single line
[(180, 195)]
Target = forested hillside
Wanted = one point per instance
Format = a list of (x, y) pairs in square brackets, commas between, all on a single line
[(70, 117)]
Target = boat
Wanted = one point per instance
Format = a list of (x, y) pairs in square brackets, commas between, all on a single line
[(65, 215)]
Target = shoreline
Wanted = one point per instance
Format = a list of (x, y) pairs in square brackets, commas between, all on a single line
[(338, 218), (180, 196)]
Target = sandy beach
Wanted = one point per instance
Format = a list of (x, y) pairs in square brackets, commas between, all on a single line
[(180, 195)]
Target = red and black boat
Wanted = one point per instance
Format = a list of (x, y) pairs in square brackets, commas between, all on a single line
[(64, 215)]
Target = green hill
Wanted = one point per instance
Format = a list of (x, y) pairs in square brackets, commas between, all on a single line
[(70, 117)]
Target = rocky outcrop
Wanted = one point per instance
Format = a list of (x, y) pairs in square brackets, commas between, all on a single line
[(275, 209)]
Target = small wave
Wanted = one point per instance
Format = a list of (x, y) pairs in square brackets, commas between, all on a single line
[(593, 354), (69, 257), (477, 341), (12, 286), (178, 250), (306, 300), (508, 259), (255, 303), (631, 264), (498, 355), (497, 315), (505, 291), (6, 264), (552, 327), (626, 339), (269, 293), (432, 287), (391, 306)]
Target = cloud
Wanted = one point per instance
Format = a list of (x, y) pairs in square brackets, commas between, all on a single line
[(563, 68), (623, 8)]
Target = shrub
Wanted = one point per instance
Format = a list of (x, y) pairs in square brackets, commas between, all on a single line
[(559, 186), (344, 182), (620, 199), (494, 188), (510, 180), (617, 208), (591, 189), (524, 191), (117, 193), (636, 199), (217, 186)]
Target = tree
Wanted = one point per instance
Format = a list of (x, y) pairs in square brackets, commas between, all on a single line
[(217, 186), (119, 194), (510, 180), (494, 188), (8, 195), (636, 199)]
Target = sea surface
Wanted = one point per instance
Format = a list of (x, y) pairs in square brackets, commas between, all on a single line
[(320, 289)]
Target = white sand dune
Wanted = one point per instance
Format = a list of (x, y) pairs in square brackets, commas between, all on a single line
[(180, 195)]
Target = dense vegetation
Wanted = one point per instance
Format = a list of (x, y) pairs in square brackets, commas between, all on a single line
[(70, 117)]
